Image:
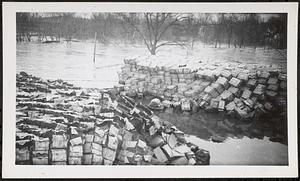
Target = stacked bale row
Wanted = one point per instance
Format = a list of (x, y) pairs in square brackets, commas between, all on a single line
[(75, 151), (58, 150), (66, 126), (243, 90), (40, 153)]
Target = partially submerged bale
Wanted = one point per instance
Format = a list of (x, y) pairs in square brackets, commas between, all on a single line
[(202, 157), (223, 81), (156, 104), (271, 94), (268, 106), (218, 87), (227, 96), (249, 103), (259, 90), (186, 105), (221, 105), (283, 85), (207, 98), (272, 87), (214, 103), (243, 76), (262, 81), (217, 138), (211, 91), (242, 113), (246, 94), (272, 80), (230, 106), (264, 75), (234, 91), (251, 83), (226, 74), (282, 77), (238, 102), (235, 82)]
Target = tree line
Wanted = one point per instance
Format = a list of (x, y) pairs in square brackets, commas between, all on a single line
[(159, 29)]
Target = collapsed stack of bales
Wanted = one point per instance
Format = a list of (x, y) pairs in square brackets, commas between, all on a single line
[(59, 124), (239, 90)]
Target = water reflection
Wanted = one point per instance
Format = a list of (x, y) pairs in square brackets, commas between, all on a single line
[(257, 142), (244, 151)]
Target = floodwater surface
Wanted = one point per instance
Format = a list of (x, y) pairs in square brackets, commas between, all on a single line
[(256, 142), (245, 143), (73, 61)]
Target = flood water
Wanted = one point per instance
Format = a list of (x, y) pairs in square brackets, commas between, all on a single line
[(245, 144), (73, 61)]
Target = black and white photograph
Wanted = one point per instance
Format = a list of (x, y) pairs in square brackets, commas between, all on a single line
[(152, 88)]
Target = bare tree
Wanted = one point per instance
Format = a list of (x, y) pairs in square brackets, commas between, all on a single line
[(194, 24), (230, 23), (158, 29), (156, 25), (219, 26), (103, 26)]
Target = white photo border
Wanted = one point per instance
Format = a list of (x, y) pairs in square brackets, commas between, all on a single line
[(10, 170)]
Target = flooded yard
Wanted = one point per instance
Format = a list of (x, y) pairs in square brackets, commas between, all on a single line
[(245, 143), (73, 62)]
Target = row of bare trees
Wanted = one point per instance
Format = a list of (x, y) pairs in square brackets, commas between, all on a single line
[(238, 30), (160, 29)]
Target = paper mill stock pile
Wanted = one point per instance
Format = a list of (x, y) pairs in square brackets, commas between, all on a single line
[(60, 124), (242, 90)]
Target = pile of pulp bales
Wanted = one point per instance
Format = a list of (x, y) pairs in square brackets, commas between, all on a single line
[(239, 90), (59, 124)]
